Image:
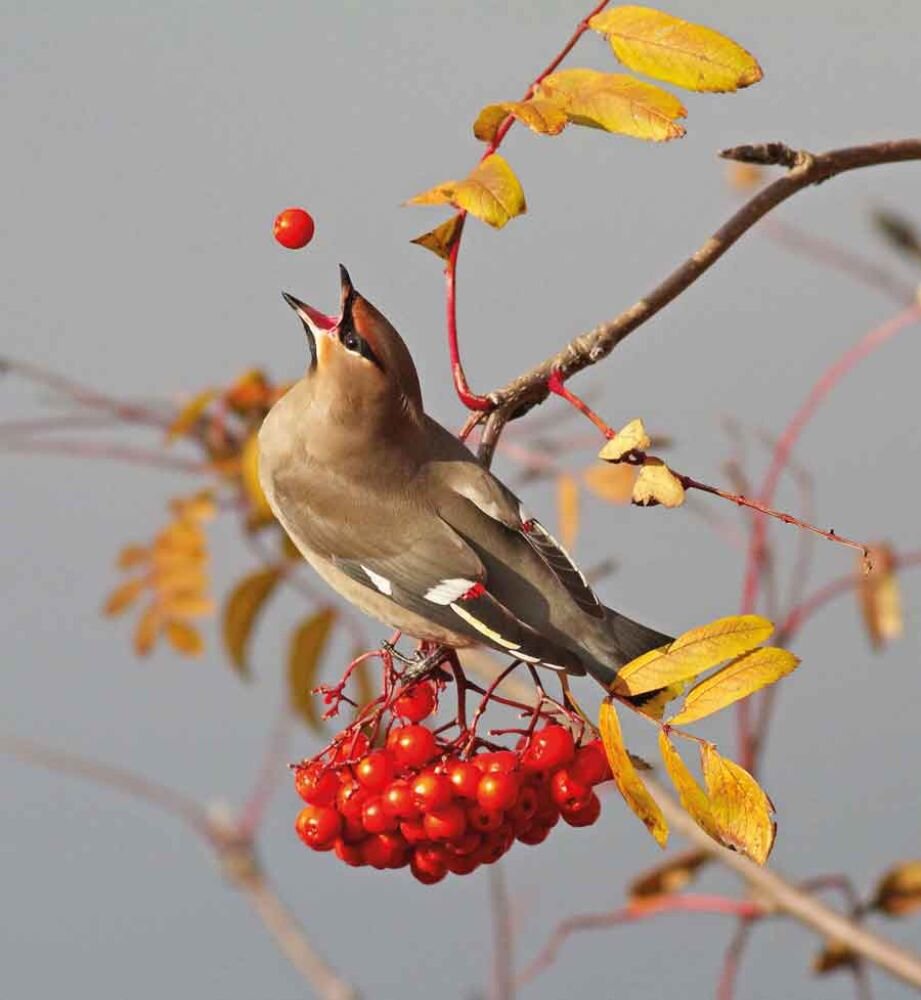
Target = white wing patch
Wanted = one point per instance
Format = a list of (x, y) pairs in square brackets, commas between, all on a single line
[(448, 591), (381, 582)]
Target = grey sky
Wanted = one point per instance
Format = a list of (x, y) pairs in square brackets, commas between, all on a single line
[(147, 148)]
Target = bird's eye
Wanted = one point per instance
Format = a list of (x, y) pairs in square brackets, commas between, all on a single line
[(350, 340)]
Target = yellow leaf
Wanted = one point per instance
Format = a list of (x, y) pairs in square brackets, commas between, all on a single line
[(693, 653), (667, 48), (188, 605), (200, 507), (307, 644), (740, 807), (184, 638), (880, 602), (745, 675), (669, 877), (251, 390), (744, 177), (147, 629), (241, 609), (132, 555), (692, 796), (835, 955), (123, 597), (656, 483), (186, 577), (630, 438), (899, 890), (653, 704), (613, 483), (540, 115), (491, 192), (628, 781), (567, 504), (249, 471), (441, 239), (189, 414), (615, 102)]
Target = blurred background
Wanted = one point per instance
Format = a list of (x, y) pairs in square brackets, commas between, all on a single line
[(147, 151)]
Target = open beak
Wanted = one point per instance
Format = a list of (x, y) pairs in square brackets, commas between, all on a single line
[(315, 323)]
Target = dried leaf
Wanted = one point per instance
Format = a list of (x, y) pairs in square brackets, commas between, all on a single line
[(613, 483), (249, 471), (741, 809), (693, 653), (123, 597), (441, 239), (628, 781), (132, 555), (743, 676), (834, 956), (667, 48), (614, 102), (241, 609), (880, 601), (669, 877), (692, 796), (251, 390), (491, 192), (630, 438), (184, 638), (899, 890), (189, 414), (541, 116), (656, 483), (567, 505), (307, 644), (147, 629)]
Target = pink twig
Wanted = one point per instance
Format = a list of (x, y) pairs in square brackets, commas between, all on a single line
[(112, 452)]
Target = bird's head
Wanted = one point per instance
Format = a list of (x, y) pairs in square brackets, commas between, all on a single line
[(357, 359)]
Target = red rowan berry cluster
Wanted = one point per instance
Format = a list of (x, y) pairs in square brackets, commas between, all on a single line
[(440, 807)]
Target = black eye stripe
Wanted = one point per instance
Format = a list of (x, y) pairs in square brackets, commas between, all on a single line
[(355, 343)]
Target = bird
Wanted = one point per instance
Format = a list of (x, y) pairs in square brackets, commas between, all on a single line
[(398, 516)]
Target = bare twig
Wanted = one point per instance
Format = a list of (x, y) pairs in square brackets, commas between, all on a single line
[(503, 935)]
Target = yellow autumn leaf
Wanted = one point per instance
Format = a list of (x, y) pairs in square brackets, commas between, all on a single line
[(614, 102), (692, 653), (123, 597), (189, 414), (741, 809), (567, 505), (132, 555), (653, 705), (626, 777), (743, 676), (307, 644), (188, 605), (249, 471), (657, 484), (630, 438), (669, 877), (666, 48), (241, 609), (880, 601), (491, 192), (147, 629), (441, 239), (899, 890), (613, 483), (692, 796), (182, 578), (184, 638), (540, 115)]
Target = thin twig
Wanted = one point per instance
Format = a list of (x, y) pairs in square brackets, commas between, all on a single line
[(503, 947)]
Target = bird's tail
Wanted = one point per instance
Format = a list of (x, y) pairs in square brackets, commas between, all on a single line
[(629, 640)]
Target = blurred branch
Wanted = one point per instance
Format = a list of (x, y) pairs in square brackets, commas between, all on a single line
[(503, 935)]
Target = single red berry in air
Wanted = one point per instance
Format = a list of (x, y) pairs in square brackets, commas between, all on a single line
[(374, 770), (585, 813), (412, 746), (416, 703), (591, 764), (294, 228), (498, 790), (432, 791), (464, 777), (448, 823), (549, 748), (318, 826), (317, 785)]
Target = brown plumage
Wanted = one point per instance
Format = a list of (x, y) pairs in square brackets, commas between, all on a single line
[(399, 517)]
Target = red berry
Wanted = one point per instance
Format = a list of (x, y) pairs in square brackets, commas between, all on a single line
[(398, 800), (497, 761), (417, 702), (495, 845), (351, 854), (566, 791), (353, 830), (351, 798), (484, 820), (525, 809), (318, 826), (374, 770), (464, 845), (293, 228), (550, 748), (317, 785), (498, 790), (412, 746), (536, 833), (585, 813), (413, 831), (385, 850), (429, 864), (431, 791), (448, 823), (464, 777), (591, 764), (350, 747), (375, 818), (462, 864)]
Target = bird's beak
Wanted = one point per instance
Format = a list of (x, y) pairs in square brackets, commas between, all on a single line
[(315, 323)]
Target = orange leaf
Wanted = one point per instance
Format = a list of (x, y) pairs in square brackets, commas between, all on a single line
[(613, 483), (692, 796), (880, 602), (132, 555), (741, 809), (249, 471), (241, 609), (123, 596), (626, 777), (542, 116), (189, 414), (307, 644), (188, 605), (491, 192), (899, 890), (740, 678), (567, 505), (147, 629), (835, 955), (184, 638), (669, 877), (667, 48), (441, 239)]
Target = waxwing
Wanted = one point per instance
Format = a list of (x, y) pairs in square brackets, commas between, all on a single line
[(397, 515)]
